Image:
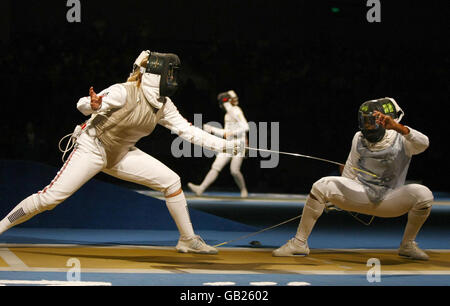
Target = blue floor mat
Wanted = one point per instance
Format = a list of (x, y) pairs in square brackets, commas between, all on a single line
[(129, 279)]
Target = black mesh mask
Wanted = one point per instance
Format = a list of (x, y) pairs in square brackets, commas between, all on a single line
[(166, 65), (228, 96), (371, 130)]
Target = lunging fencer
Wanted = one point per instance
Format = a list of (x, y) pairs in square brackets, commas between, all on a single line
[(119, 116), (236, 127), (383, 147)]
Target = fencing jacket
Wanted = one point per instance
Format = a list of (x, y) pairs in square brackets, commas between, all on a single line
[(126, 116), (388, 159), (236, 125)]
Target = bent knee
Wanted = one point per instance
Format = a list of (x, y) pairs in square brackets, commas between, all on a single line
[(217, 167), (235, 172), (319, 188), (318, 185), (174, 186), (424, 196)]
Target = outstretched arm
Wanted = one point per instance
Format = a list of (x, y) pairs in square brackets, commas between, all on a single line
[(214, 130), (175, 122)]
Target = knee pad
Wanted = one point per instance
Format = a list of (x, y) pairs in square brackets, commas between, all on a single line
[(173, 187)]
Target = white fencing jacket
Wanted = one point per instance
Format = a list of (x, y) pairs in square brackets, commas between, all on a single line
[(236, 125), (116, 96)]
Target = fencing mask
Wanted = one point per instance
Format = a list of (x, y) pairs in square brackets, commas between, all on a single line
[(228, 96), (159, 77), (370, 129), (166, 65)]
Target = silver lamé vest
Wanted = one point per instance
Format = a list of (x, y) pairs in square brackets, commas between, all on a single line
[(390, 165), (120, 129)]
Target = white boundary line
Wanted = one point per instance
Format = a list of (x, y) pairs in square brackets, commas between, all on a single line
[(11, 259), (52, 283)]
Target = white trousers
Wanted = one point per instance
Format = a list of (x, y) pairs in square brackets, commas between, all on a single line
[(223, 158), (350, 195), (235, 168), (85, 161)]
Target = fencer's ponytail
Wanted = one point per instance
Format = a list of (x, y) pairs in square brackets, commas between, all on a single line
[(136, 75)]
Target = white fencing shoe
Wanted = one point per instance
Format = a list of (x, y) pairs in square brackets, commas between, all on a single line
[(194, 245), (411, 250), (291, 248), (195, 188)]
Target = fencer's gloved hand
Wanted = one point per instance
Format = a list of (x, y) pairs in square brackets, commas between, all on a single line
[(96, 101), (235, 147), (389, 123)]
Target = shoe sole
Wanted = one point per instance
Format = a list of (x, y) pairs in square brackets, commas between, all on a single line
[(291, 255), (185, 250), (413, 258)]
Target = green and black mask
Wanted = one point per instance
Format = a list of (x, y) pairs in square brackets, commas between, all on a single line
[(370, 129)]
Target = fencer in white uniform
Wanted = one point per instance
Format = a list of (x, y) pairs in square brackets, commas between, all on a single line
[(119, 116), (373, 179), (236, 127)]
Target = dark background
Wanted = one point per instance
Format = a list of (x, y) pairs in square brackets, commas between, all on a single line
[(305, 64)]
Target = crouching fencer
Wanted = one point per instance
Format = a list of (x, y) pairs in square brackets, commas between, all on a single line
[(119, 116), (236, 127), (382, 149)]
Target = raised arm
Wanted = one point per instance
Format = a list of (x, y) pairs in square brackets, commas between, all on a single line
[(113, 97), (415, 142)]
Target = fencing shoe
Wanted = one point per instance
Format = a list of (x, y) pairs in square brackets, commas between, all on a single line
[(195, 188), (411, 250), (291, 248), (194, 245)]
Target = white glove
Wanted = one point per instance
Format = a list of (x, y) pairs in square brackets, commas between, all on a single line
[(235, 147)]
